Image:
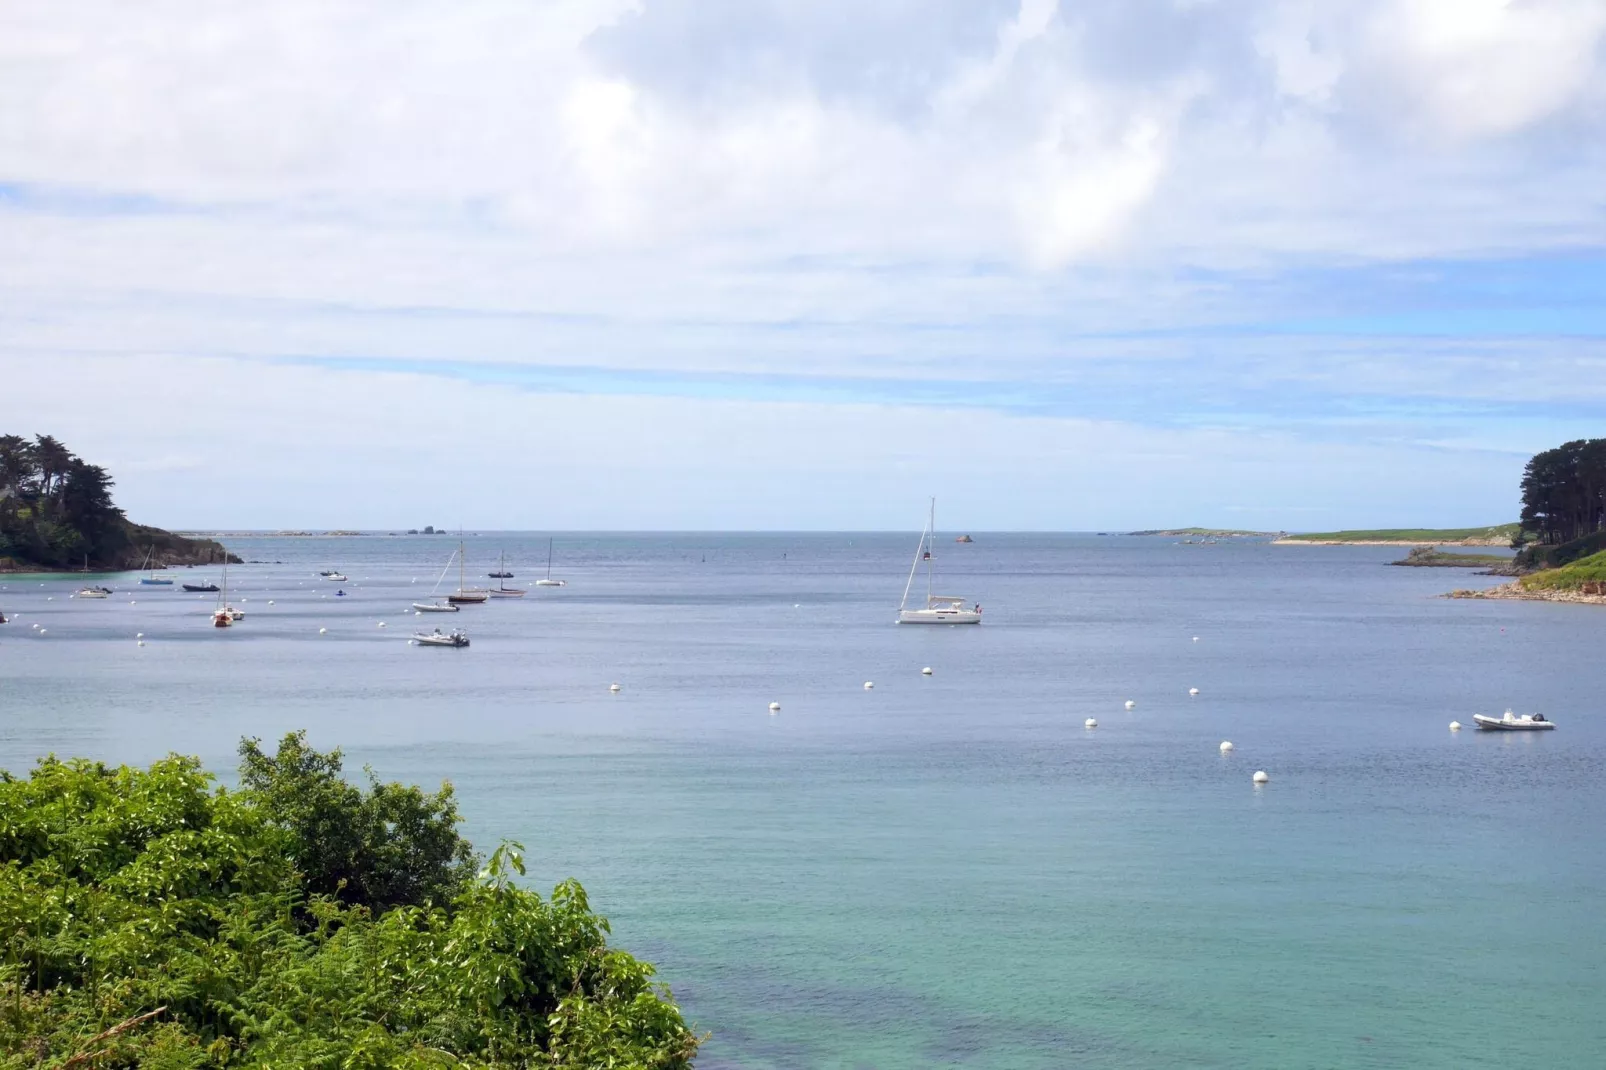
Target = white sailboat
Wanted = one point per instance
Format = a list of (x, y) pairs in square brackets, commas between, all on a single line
[(225, 615), (548, 581), (939, 608), (436, 606)]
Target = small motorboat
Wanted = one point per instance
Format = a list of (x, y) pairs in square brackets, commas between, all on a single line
[(155, 581), (335, 576), (500, 575), (200, 587), (93, 592), (1511, 722), (455, 637), (435, 607)]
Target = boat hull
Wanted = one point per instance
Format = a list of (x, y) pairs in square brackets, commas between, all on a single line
[(156, 583), (934, 616), (467, 598), (441, 640), (551, 583), (200, 587), (508, 593), (430, 607), (1500, 724)]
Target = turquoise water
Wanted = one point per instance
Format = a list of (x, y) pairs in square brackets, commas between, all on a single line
[(950, 871)]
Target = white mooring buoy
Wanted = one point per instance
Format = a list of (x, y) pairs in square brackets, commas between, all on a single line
[(1260, 776), (139, 635), (1455, 726), (1130, 704), (1193, 690), (1226, 746), (775, 707), (142, 642), (323, 631), (381, 624), (1090, 723), (1196, 639), (869, 685), (613, 687), (926, 671)]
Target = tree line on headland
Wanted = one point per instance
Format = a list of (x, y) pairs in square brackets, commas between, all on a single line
[(149, 918), (1564, 492), (56, 512)]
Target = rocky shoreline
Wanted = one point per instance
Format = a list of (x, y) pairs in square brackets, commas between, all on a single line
[(1516, 592)]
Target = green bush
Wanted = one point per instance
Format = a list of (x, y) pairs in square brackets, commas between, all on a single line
[(152, 919)]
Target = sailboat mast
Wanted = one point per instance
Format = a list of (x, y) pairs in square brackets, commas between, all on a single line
[(549, 559), (460, 556), (931, 553)]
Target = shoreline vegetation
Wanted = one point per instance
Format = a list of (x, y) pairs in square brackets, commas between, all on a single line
[(57, 515), (1495, 535), (156, 919), (1433, 557)]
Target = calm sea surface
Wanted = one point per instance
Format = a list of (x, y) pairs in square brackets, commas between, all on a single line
[(947, 871)]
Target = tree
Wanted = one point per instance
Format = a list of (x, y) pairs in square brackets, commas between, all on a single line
[(390, 845), (1564, 491), (53, 460)]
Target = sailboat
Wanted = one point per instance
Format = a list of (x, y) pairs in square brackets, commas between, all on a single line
[(548, 581), (939, 608), (151, 579), (225, 615), (93, 590), (502, 590), (436, 606), (465, 596)]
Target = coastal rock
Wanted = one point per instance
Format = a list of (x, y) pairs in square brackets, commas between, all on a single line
[(1516, 592)]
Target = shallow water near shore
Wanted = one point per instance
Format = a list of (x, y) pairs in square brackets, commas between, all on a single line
[(946, 871)]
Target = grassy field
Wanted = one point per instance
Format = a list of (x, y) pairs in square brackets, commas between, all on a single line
[(1499, 533), (1591, 569)]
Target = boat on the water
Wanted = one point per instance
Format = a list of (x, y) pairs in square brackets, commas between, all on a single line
[(455, 637), (200, 587), (335, 576), (502, 590), (939, 608), (1512, 722), (465, 596), (547, 580), (151, 579), (94, 592), (435, 607), (225, 615)]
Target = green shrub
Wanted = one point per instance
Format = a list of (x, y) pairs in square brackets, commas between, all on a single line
[(151, 919)]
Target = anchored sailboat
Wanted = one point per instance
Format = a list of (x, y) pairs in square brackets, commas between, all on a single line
[(548, 581), (939, 608), (502, 590), (465, 596)]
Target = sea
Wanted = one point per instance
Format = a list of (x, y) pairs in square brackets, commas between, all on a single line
[(953, 869)]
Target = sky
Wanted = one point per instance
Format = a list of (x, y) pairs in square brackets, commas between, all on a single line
[(800, 264)]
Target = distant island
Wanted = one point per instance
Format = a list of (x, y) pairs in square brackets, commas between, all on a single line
[(1210, 533), (57, 515), (1494, 535)]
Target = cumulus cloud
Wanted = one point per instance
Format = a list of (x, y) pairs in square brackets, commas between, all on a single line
[(1052, 195)]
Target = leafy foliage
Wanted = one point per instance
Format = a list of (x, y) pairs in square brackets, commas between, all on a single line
[(151, 919), (391, 845), (1564, 491)]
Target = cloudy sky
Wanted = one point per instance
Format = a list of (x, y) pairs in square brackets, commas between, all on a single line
[(800, 263)]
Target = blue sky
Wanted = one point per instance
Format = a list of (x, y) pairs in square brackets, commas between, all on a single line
[(653, 264)]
